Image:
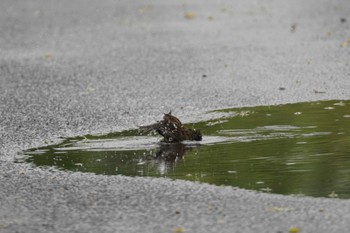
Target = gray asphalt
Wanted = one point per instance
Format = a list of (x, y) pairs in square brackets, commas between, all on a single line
[(76, 67)]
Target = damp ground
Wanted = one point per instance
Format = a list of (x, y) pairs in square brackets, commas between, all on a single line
[(294, 149)]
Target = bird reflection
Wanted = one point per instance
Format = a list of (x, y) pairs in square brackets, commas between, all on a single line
[(168, 155), (171, 152)]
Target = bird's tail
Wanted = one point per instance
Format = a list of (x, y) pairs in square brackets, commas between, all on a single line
[(148, 128)]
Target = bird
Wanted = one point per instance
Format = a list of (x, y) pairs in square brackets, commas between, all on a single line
[(172, 129)]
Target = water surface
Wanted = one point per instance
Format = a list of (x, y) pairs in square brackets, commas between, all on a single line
[(300, 149)]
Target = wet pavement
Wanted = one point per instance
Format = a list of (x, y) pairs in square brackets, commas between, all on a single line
[(86, 67)]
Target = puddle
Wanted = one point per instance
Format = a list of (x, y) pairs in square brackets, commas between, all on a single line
[(300, 149)]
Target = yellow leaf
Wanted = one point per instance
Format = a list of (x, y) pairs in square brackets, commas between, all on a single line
[(179, 230), (345, 43), (293, 230), (189, 15)]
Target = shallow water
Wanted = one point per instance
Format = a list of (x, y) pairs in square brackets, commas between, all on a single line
[(301, 149)]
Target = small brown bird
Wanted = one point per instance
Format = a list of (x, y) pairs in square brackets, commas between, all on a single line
[(173, 130)]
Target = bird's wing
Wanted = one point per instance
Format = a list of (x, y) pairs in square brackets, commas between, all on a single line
[(175, 134)]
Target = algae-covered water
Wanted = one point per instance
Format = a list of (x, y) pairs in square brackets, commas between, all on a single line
[(301, 149)]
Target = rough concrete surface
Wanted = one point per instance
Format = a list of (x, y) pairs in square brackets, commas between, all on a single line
[(85, 66)]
